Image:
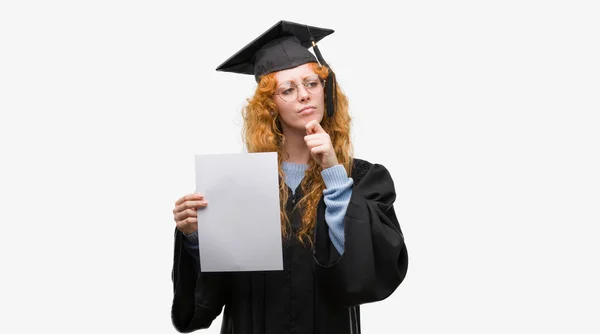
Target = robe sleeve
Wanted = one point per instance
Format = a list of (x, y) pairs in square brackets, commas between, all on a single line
[(198, 298), (375, 259)]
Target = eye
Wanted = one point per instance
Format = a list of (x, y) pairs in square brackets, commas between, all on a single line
[(312, 84), (288, 91)]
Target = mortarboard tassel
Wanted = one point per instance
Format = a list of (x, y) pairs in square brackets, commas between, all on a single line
[(330, 90), (318, 53), (330, 85)]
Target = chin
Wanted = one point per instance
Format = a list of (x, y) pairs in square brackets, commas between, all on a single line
[(317, 116)]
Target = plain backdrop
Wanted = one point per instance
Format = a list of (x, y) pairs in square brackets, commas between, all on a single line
[(486, 113)]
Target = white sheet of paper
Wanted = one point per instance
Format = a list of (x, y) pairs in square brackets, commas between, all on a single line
[(240, 229)]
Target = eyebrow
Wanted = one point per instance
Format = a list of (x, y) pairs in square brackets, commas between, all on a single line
[(303, 79)]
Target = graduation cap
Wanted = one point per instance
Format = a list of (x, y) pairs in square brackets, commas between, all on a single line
[(283, 46)]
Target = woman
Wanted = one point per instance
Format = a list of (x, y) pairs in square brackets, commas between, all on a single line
[(342, 244)]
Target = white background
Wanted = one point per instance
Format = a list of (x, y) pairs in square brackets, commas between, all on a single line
[(485, 113)]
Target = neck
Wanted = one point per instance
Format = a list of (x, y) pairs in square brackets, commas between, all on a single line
[(295, 147)]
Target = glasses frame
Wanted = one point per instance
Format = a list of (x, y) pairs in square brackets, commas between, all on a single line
[(323, 81)]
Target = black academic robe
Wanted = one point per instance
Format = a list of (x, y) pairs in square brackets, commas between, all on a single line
[(318, 291)]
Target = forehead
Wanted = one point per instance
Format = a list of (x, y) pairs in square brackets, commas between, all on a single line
[(298, 73)]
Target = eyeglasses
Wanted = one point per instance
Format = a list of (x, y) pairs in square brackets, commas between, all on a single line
[(288, 91)]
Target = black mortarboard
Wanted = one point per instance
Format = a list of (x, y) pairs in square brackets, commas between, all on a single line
[(284, 46)]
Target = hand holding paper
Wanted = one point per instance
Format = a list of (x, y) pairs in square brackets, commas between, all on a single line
[(185, 214)]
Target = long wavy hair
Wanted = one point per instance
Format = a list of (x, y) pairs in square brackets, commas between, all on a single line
[(262, 132)]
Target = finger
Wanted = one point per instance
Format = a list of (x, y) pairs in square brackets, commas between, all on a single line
[(316, 140), (314, 143), (190, 205), (185, 214), (195, 196), (313, 127), (318, 150), (309, 127), (316, 136)]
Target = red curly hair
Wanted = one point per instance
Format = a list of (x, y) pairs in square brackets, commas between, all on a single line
[(262, 132)]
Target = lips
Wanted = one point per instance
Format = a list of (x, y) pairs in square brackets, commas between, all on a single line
[(307, 109)]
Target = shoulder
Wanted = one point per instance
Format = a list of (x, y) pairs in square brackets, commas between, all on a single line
[(361, 167)]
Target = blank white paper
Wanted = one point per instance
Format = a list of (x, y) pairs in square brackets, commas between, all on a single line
[(240, 229)]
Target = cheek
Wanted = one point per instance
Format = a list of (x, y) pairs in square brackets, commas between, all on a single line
[(321, 100), (285, 110)]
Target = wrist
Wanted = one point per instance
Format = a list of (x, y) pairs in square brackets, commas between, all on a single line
[(329, 164)]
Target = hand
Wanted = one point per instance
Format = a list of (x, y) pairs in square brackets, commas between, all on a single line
[(185, 214), (320, 146)]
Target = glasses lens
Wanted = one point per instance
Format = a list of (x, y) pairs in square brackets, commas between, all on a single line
[(288, 91), (313, 85)]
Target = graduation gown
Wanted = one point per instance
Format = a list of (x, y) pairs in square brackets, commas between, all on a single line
[(318, 291)]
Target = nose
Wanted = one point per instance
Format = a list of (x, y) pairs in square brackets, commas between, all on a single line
[(303, 94)]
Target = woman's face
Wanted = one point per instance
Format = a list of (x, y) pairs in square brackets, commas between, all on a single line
[(301, 98)]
